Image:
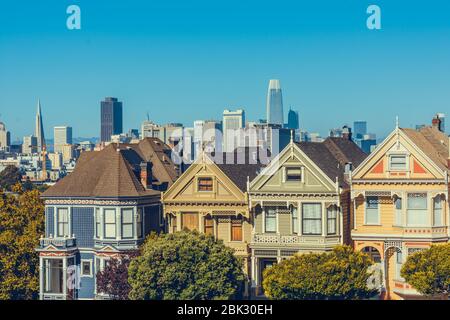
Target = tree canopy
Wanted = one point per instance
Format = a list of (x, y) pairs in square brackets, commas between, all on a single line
[(340, 274), (21, 225), (9, 177), (113, 280), (185, 265), (428, 271)]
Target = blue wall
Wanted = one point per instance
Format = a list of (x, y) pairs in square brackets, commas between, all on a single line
[(83, 226), (49, 221), (87, 283)]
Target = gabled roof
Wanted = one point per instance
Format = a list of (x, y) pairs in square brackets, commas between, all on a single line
[(332, 155), (242, 164), (432, 142), (114, 172)]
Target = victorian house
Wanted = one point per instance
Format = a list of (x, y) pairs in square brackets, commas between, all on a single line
[(104, 208), (211, 197), (400, 196), (300, 202)]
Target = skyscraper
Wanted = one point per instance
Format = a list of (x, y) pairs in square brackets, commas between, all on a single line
[(359, 129), (274, 103), (62, 136), (293, 122), (5, 138), (39, 130), (111, 118), (232, 122)]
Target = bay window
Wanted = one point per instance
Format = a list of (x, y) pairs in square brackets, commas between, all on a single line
[(139, 223), (294, 214), (312, 218), (437, 211), (416, 211), (110, 223), (398, 211), (127, 223), (332, 220), (98, 223)]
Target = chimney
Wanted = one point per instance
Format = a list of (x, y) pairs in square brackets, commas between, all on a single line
[(146, 174), (436, 123), (347, 133)]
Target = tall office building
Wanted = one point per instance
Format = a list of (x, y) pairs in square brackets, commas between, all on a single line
[(39, 130), (274, 104), (62, 135), (29, 145), (5, 138), (359, 129), (293, 122), (111, 116), (232, 122)]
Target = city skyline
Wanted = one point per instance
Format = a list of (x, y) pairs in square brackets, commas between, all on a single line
[(200, 58)]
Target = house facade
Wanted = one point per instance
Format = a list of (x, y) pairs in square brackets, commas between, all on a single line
[(400, 198), (300, 202), (104, 209), (210, 197)]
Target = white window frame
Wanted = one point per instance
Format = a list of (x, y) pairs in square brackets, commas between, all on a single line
[(378, 223), (91, 274), (321, 219), (398, 213), (287, 168), (264, 220), (295, 222), (105, 210), (427, 223), (335, 209), (405, 155), (68, 222), (442, 210), (132, 223)]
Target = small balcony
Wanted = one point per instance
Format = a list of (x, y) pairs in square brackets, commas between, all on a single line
[(59, 243)]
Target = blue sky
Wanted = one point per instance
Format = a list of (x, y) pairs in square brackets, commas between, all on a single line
[(186, 60)]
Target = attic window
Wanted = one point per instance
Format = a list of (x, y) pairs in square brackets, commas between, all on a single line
[(397, 162), (205, 184), (294, 174)]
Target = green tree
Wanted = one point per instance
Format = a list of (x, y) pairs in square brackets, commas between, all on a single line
[(185, 265), (428, 271), (21, 225), (340, 274), (9, 177)]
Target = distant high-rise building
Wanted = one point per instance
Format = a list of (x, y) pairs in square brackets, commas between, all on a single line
[(111, 115), (293, 122), (62, 136), (29, 145), (5, 138), (232, 122), (274, 104), (39, 130), (359, 129)]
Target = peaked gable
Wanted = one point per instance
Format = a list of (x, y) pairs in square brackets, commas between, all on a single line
[(413, 162), (273, 177), (186, 189)]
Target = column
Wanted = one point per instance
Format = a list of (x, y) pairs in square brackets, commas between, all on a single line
[(300, 218), (41, 278), (178, 215), (118, 223), (65, 277), (253, 271)]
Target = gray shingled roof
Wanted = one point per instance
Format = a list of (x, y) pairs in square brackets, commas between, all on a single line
[(114, 172)]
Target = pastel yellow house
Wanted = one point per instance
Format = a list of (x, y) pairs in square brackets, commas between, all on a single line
[(210, 197), (400, 198)]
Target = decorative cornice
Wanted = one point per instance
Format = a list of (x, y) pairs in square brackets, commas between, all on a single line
[(89, 202)]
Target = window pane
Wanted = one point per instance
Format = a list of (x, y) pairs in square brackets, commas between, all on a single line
[(417, 201), (63, 215), (127, 230), (110, 230), (398, 211), (270, 225), (127, 215), (312, 218), (110, 215), (437, 212), (312, 210), (372, 214), (331, 222)]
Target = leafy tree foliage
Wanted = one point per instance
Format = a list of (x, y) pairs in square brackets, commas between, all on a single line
[(185, 265), (340, 274), (428, 271), (9, 177), (113, 280), (21, 225)]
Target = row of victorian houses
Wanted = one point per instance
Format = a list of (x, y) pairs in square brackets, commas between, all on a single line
[(310, 197)]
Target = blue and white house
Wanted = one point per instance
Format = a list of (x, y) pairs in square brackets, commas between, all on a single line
[(104, 208)]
